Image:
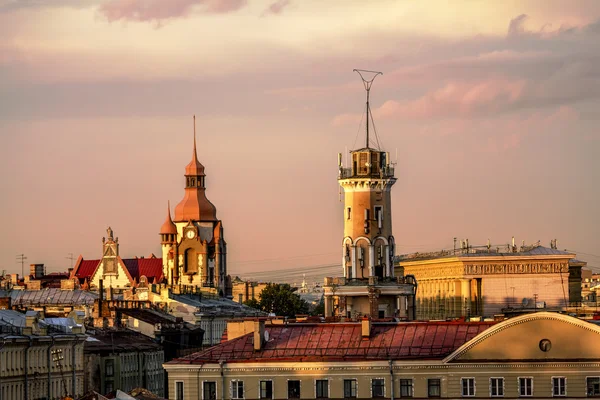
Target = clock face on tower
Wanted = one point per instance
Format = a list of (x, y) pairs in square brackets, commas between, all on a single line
[(190, 234)]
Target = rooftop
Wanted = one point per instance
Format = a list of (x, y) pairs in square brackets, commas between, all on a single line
[(151, 268), (118, 341), (49, 296), (483, 251), (156, 317), (344, 341)]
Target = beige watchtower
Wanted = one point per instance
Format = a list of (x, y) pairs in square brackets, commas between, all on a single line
[(368, 245), (368, 286)]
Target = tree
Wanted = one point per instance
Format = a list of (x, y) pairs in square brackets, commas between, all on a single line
[(319, 309), (280, 299), (253, 303)]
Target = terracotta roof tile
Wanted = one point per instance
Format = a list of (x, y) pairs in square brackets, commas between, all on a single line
[(322, 342), (86, 268), (152, 268)]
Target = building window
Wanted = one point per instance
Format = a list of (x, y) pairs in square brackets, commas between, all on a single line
[(109, 368), (559, 386), (525, 387), (496, 387), (593, 386), (209, 391), (108, 387), (362, 163), (379, 216), (322, 388), (178, 390), (237, 389), (377, 388), (266, 389), (406, 388), (468, 386), (349, 213), (434, 387), (293, 389), (349, 388)]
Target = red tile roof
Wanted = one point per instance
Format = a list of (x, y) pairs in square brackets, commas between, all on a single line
[(327, 342), (152, 268), (86, 268)]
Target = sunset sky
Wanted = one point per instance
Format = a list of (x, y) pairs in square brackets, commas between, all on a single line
[(490, 106)]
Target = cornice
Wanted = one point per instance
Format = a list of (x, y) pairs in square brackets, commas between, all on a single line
[(548, 316)]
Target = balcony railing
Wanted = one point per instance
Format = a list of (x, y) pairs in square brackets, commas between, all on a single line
[(373, 280), (385, 172)]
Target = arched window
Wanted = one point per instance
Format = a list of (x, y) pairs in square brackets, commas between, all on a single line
[(191, 262)]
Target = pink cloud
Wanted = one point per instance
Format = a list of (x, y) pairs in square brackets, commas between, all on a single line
[(457, 99), (277, 7), (454, 100), (160, 10)]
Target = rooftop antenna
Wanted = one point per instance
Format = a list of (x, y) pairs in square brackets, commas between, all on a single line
[(70, 258), (21, 258), (367, 83)]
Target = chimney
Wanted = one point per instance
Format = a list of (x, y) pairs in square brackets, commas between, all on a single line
[(100, 298), (366, 328), (259, 334), (30, 318)]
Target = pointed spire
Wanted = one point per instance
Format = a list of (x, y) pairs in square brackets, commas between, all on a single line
[(168, 227), (194, 168), (195, 153)]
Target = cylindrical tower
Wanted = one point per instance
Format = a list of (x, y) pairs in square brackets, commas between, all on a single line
[(368, 244)]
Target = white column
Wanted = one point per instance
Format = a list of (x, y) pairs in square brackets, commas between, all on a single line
[(353, 258), (371, 260), (465, 294), (389, 268), (344, 261)]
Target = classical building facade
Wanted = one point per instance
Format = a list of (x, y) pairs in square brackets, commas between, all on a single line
[(484, 282), (194, 251), (122, 359), (368, 285), (539, 355), (37, 363)]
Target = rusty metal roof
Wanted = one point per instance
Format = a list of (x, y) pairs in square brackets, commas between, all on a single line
[(329, 342), (49, 296)]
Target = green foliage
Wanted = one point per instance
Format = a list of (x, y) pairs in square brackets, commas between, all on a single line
[(253, 303), (319, 308), (280, 299)]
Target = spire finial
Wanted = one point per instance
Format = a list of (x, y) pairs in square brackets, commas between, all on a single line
[(195, 153)]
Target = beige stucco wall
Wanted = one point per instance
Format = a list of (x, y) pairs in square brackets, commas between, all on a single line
[(508, 350), (365, 372)]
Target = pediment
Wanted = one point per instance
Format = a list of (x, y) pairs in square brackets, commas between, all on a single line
[(539, 336)]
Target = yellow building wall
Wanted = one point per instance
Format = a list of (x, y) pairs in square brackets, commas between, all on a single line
[(119, 281)]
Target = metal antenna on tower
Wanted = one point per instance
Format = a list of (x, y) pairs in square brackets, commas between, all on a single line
[(367, 83)]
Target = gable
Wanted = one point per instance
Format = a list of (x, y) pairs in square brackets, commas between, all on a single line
[(118, 277), (524, 337)]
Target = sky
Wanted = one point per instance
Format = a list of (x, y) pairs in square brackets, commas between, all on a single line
[(488, 108)]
